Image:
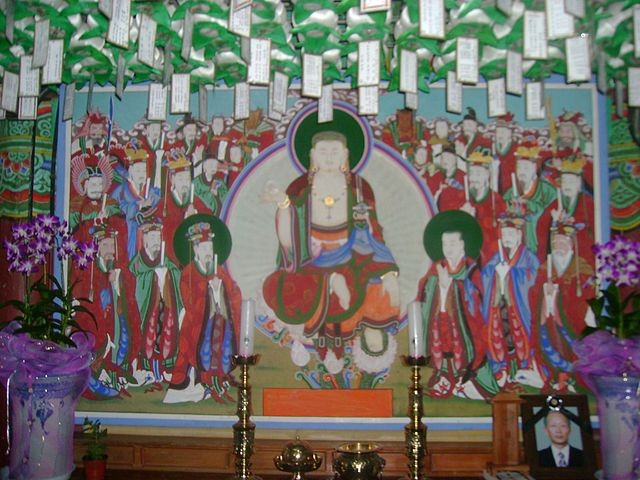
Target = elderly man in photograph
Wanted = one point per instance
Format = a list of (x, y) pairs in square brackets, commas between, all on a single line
[(559, 453)]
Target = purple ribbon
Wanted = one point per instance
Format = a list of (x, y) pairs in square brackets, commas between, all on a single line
[(42, 357)]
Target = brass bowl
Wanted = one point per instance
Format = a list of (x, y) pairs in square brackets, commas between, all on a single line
[(358, 461), (297, 458)]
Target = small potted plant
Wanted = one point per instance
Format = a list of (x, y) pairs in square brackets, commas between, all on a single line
[(95, 457)]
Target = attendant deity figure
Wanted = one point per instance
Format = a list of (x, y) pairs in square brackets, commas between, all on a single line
[(450, 292), (559, 316), (505, 144), (210, 186), (253, 136), (535, 194), (212, 313), (159, 301), (91, 137), (335, 275), (447, 184), (187, 141), (152, 139), (235, 165), (569, 142), (116, 317), (403, 133), (507, 280), (482, 202), (437, 139), (91, 178), (575, 206), (471, 138), (180, 202), (135, 196), (216, 141), (420, 164)]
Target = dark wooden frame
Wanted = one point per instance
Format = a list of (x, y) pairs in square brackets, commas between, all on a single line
[(529, 421)]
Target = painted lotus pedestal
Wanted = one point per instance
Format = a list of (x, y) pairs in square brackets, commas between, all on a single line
[(44, 381)]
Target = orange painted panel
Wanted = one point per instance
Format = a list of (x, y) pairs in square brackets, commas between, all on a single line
[(298, 402)]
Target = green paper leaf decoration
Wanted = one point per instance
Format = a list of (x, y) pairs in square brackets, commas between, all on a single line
[(441, 73), (212, 36), (495, 14), (331, 73), (272, 30), (512, 40), (469, 7), (156, 10), (304, 8), (368, 31), (544, 68), (494, 69), (261, 9), (288, 67), (206, 7), (345, 5), (410, 41), (477, 30)]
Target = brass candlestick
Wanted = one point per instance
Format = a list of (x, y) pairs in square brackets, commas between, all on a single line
[(415, 432), (244, 428)]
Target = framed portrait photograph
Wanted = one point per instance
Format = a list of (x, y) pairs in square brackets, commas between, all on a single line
[(557, 434)]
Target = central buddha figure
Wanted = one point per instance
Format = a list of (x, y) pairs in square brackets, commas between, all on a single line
[(335, 274)]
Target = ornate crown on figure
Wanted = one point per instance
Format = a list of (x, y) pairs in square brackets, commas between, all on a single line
[(567, 228), (100, 232), (88, 165), (199, 232), (528, 150), (481, 156), (505, 120), (178, 162), (514, 216), (134, 153), (573, 164), (570, 117), (148, 221)]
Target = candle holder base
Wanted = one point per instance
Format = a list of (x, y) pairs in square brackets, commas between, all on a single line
[(244, 428), (415, 432)]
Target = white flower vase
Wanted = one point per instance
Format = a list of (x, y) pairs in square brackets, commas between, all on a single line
[(619, 414), (44, 381), (42, 417)]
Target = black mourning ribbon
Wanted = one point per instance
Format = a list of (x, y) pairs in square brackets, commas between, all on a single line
[(554, 404)]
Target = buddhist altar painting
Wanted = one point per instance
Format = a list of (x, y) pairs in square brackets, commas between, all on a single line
[(333, 229)]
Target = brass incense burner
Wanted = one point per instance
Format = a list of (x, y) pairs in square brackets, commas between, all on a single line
[(297, 458), (358, 461)]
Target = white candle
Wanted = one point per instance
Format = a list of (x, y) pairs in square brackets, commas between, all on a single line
[(466, 188), (493, 147), (549, 267), (162, 253), (416, 330), (146, 188), (191, 195), (514, 185), (500, 251), (104, 202), (215, 263), (247, 324)]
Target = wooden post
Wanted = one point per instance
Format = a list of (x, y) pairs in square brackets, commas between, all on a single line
[(506, 438)]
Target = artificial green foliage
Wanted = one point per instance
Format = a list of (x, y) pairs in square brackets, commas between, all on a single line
[(49, 311), (94, 435)]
